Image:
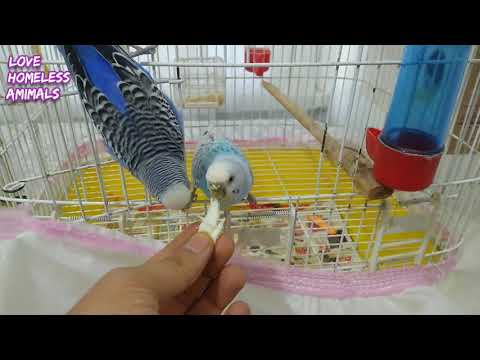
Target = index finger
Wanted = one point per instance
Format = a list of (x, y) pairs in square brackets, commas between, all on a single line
[(179, 241), (222, 252)]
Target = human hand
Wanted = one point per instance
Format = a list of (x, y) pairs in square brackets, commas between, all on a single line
[(188, 276)]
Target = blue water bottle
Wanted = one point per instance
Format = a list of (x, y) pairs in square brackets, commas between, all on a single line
[(407, 151)]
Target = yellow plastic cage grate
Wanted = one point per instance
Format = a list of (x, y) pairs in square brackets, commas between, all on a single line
[(278, 172)]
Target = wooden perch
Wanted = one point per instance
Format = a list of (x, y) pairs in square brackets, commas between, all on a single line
[(37, 50), (363, 179)]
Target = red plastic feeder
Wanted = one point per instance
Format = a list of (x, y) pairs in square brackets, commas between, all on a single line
[(400, 170), (257, 55)]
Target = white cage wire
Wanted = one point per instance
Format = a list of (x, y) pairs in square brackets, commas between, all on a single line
[(313, 216)]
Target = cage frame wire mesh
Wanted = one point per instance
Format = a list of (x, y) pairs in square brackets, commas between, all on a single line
[(353, 83)]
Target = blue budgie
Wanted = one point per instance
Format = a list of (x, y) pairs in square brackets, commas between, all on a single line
[(141, 127), (222, 172)]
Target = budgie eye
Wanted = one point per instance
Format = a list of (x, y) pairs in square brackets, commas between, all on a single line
[(230, 179)]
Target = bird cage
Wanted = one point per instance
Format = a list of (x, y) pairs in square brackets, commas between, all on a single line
[(313, 228)]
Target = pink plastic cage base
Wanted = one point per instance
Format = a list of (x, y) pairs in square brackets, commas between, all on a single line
[(313, 282), (272, 141), (85, 149), (341, 285), (18, 221)]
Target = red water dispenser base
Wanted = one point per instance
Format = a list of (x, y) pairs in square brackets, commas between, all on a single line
[(257, 55), (399, 170)]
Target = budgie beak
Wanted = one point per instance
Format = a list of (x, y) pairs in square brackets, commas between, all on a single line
[(217, 190)]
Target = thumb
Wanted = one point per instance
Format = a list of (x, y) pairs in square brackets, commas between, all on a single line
[(171, 275)]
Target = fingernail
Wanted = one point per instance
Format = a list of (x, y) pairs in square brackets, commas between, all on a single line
[(198, 243)]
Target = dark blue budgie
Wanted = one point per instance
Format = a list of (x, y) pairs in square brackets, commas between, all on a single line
[(141, 127)]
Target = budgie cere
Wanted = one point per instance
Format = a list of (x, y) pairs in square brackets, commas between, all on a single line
[(141, 127), (222, 172)]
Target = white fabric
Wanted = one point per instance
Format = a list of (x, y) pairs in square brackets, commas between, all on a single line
[(45, 276)]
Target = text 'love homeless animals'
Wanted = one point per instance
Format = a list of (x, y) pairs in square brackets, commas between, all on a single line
[(33, 79)]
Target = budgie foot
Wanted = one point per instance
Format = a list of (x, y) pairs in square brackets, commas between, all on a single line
[(251, 199), (193, 198), (211, 223)]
